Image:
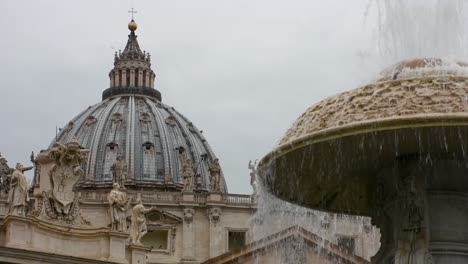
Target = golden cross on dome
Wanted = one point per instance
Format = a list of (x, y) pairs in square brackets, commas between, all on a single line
[(133, 12)]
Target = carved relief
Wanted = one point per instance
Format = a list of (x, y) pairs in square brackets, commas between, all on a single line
[(73, 217), (61, 203), (214, 214), (171, 120), (188, 215), (387, 99)]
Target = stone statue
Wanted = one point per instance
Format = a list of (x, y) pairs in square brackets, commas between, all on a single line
[(118, 203), (188, 173), (253, 175), (215, 176), (138, 226), (17, 198), (119, 169), (5, 172)]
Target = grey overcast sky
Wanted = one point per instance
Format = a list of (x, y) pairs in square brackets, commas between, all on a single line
[(241, 70)]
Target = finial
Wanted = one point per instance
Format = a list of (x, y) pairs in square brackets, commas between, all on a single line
[(132, 25)]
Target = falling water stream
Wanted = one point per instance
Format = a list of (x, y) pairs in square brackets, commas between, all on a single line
[(410, 29), (406, 29)]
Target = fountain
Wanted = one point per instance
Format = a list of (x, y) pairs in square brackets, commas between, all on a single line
[(394, 150)]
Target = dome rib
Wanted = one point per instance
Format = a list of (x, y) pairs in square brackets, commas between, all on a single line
[(130, 144), (162, 134), (97, 137)]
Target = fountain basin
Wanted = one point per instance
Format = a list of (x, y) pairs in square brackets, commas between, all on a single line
[(395, 150), (336, 170)]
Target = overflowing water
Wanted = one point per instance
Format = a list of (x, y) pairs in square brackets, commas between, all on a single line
[(406, 30), (298, 226)]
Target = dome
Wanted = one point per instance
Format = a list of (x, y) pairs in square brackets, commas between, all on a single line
[(131, 122)]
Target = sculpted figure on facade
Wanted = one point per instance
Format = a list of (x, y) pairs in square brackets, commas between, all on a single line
[(188, 173), (65, 174), (253, 175), (119, 171), (118, 203), (138, 226), (215, 176), (5, 175), (17, 197)]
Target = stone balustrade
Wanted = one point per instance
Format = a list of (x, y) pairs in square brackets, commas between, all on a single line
[(167, 197)]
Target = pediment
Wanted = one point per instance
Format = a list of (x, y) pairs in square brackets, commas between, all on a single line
[(162, 218)]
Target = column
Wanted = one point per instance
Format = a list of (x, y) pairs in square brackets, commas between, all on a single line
[(124, 77), (147, 78), (152, 80), (111, 77), (116, 80), (132, 78), (140, 78)]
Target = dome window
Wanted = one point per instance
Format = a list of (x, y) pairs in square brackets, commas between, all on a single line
[(145, 118), (116, 120), (149, 161), (112, 146), (148, 145)]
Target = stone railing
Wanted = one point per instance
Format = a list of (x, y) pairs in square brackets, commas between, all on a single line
[(167, 197), (238, 199), (147, 197)]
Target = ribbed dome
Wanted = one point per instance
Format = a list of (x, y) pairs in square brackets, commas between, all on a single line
[(148, 134), (131, 122)]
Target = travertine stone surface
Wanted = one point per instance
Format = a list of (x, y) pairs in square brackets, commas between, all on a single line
[(394, 99)]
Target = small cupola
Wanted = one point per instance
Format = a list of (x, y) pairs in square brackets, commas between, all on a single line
[(132, 73)]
